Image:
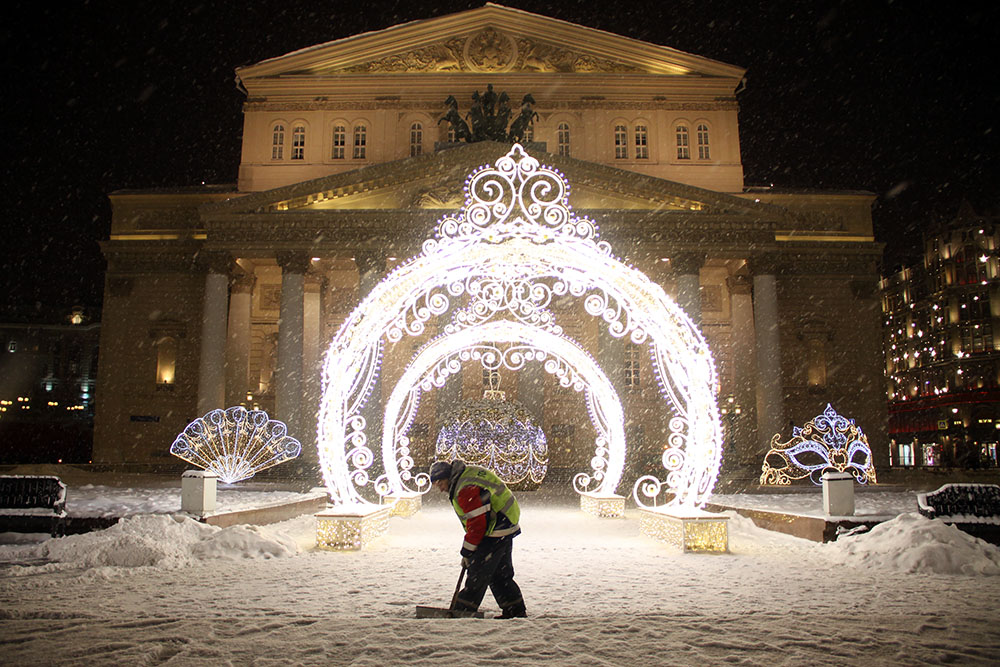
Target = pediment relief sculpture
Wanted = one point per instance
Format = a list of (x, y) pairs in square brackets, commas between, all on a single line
[(439, 197), (491, 50)]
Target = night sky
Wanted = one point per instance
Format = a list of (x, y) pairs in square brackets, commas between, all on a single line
[(898, 98)]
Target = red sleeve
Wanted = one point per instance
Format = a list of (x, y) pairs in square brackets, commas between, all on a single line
[(475, 527)]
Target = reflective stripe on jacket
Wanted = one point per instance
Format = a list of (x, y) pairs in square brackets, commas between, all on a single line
[(492, 499)]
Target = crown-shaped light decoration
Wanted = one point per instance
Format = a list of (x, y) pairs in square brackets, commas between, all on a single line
[(828, 442), (235, 443), (494, 267)]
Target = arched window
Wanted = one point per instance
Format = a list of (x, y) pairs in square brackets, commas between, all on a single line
[(641, 143), (703, 153), (416, 139), (360, 142), (166, 360), (339, 142), (621, 142), (683, 143), (278, 142), (562, 138), (299, 142)]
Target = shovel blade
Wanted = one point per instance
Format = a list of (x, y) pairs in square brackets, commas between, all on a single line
[(438, 612)]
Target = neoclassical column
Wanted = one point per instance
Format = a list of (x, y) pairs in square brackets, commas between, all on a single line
[(743, 360), (312, 371), (770, 392), (687, 269), (288, 370), (238, 338), (212, 359), (371, 269)]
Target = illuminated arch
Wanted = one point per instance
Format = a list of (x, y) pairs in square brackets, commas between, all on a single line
[(512, 247), (559, 355)]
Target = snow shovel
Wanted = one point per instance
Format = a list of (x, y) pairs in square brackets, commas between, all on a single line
[(437, 612)]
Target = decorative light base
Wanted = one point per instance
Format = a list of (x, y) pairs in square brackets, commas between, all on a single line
[(350, 528), (606, 507), (687, 528), (403, 504)]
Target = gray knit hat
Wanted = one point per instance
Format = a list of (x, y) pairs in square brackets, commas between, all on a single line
[(440, 470)]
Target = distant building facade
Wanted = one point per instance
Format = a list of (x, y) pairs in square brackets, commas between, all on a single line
[(48, 372), (221, 296), (941, 346)]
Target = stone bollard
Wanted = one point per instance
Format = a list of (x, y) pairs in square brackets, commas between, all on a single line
[(838, 493), (198, 492)]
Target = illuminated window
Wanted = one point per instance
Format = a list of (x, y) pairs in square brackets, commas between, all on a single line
[(703, 152), (641, 143), (816, 368), (278, 142), (562, 138), (683, 143), (621, 142), (299, 142), (416, 139), (906, 454), (166, 360), (339, 142), (632, 364), (360, 142), (12, 346)]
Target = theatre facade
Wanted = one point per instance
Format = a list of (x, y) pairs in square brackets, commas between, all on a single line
[(225, 295)]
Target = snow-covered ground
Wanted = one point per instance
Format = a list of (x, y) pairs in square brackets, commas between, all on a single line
[(160, 589)]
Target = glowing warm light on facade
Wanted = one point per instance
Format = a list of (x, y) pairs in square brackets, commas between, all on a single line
[(495, 268), (235, 443)]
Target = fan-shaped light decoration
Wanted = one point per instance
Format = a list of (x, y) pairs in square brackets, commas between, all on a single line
[(828, 442), (498, 434), (235, 444)]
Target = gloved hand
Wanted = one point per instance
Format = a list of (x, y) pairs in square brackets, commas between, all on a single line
[(466, 562)]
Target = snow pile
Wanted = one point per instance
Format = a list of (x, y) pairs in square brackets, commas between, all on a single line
[(912, 543), (165, 541)]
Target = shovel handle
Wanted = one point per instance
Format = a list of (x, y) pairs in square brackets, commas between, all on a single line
[(458, 587)]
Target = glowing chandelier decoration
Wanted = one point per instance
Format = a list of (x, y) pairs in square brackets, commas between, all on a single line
[(827, 442), (495, 266), (498, 434), (235, 443)]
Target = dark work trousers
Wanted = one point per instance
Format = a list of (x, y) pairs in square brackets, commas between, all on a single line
[(491, 567)]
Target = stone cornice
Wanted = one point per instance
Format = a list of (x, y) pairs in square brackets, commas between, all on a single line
[(435, 110), (152, 256)]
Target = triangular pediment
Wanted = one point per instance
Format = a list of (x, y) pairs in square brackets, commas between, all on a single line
[(435, 181), (490, 39)]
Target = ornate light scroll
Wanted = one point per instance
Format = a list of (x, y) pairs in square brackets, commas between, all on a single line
[(494, 267)]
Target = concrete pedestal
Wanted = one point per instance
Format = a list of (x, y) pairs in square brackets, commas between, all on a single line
[(198, 492), (838, 493)]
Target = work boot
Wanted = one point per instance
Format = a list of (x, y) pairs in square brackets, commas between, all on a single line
[(514, 611)]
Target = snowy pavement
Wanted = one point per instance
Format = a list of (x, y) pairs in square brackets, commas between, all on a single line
[(164, 590)]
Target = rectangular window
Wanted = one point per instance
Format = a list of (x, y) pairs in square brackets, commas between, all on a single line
[(299, 143), (360, 142), (683, 143), (632, 365), (641, 143), (703, 153), (339, 142), (562, 139), (621, 142)]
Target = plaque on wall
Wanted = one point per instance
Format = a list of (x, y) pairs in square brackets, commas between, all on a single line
[(711, 299), (270, 297)]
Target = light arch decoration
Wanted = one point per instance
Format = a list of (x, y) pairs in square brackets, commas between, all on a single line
[(514, 246), (506, 344)]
